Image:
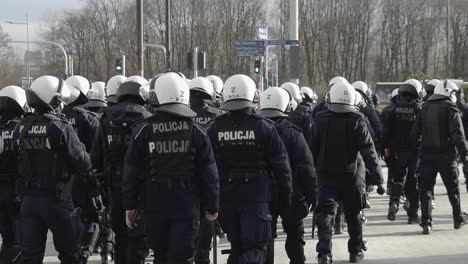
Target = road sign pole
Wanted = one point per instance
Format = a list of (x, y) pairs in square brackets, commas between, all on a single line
[(123, 65), (195, 62), (294, 33)]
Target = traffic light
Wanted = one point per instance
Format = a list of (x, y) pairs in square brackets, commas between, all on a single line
[(118, 65), (257, 66)]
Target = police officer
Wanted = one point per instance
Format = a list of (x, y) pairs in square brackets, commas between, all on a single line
[(170, 165), (397, 142), (342, 126), (86, 125), (201, 100), (309, 98), (429, 87), (388, 158), (202, 103), (97, 98), (249, 154), (300, 114), (369, 110), (12, 107), (441, 130), (322, 105), (116, 123), (112, 86), (275, 103), (48, 150), (218, 85)]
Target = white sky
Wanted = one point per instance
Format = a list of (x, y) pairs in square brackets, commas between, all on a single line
[(38, 10)]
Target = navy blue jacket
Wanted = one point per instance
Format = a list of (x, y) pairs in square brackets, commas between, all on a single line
[(456, 134), (125, 111), (206, 193), (86, 124), (301, 160), (64, 140), (277, 163), (365, 147)]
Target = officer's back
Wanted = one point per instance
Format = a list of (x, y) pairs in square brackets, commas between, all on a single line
[(109, 155), (249, 154), (170, 172), (12, 107), (201, 100), (243, 142), (48, 150), (86, 123)]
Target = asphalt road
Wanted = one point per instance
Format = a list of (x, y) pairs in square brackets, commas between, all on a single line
[(389, 242)]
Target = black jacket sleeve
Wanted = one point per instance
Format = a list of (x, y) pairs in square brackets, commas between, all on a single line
[(277, 160), (75, 151), (303, 163), (133, 168), (457, 134), (367, 149), (206, 170)]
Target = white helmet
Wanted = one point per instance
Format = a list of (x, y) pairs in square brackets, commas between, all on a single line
[(171, 94), (239, 93), (445, 89), (203, 85), (83, 86), (413, 87), (48, 92), (430, 85), (97, 96), (361, 86), (217, 83), (342, 98), (12, 98), (337, 79), (132, 87), (358, 99), (275, 102), (394, 93), (308, 92), (112, 86), (294, 90)]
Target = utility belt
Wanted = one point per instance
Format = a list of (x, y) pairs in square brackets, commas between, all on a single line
[(242, 177), (175, 183), (62, 191)]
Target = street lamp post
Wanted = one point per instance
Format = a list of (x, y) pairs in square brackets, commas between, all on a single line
[(28, 61)]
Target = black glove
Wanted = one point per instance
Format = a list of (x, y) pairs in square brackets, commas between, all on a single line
[(381, 190)]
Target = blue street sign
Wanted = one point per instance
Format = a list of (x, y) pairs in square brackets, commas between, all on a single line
[(280, 42), (250, 53), (255, 43), (247, 48)]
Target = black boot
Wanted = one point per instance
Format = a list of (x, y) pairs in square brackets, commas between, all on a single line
[(460, 221), (427, 228), (413, 220), (392, 210), (325, 258), (356, 258)]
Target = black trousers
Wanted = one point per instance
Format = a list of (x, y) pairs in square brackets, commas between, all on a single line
[(449, 172), (42, 213), (248, 229), (130, 246), (205, 235), (172, 239), (353, 202), (405, 181), (293, 226)]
